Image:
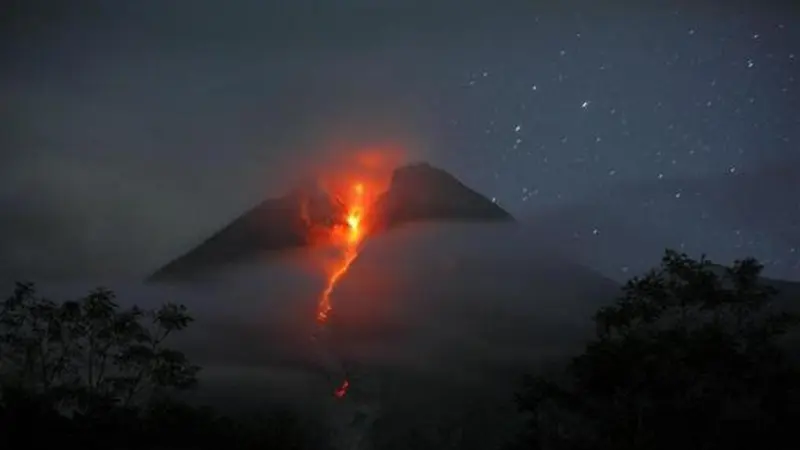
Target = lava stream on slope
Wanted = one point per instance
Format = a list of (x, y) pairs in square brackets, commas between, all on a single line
[(347, 237)]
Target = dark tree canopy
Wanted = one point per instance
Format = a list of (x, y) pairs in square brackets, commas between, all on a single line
[(86, 374), (83, 355), (690, 356)]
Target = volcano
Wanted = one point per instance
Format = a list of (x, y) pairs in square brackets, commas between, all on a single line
[(421, 192), (305, 216)]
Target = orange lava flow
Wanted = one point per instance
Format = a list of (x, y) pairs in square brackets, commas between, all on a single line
[(348, 237)]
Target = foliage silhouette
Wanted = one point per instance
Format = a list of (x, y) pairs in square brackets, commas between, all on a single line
[(86, 373), (85, 356), (690, 356)]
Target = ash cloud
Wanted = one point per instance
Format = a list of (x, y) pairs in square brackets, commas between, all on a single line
[(434, 308)]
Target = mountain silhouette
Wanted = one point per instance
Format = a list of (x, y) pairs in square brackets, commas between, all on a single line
[(417, 192), (421, 192), (276, 224)]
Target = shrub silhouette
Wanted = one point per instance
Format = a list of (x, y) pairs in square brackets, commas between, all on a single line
[(86, 356), (690, 356), (88, 374)]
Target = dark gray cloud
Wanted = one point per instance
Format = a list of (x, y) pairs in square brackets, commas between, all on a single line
[(134, 130), (131, 130), (623, 227), (425, 315)]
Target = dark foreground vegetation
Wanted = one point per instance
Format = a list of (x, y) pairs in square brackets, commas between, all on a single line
[(692, 356), (85, 373)]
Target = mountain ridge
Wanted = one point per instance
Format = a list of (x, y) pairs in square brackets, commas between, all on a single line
[(303, 216), (420, 191), (275, 224)]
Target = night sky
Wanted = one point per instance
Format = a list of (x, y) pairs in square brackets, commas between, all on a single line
[(129, 131)]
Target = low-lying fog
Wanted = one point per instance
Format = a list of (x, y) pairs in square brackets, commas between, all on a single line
[(436, 324)]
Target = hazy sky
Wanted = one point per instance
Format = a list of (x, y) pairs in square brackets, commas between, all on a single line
[(130, 130)]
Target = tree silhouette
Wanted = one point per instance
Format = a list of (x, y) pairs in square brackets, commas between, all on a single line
[(88, 374), (690, 356), (85, 356)]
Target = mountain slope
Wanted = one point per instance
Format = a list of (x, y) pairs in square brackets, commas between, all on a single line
[(276, 224), (423, 192), (445, 315), (418, 192)]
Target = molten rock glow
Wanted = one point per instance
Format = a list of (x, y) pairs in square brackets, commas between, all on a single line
[(347, 237)]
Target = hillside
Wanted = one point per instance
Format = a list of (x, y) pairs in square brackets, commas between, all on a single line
[(418, 192)]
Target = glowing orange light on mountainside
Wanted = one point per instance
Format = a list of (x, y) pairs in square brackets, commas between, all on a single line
[(373, 170), (347, 237)]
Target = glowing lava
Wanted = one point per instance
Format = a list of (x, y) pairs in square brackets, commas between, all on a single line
[(342, 390), (347, 237)]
